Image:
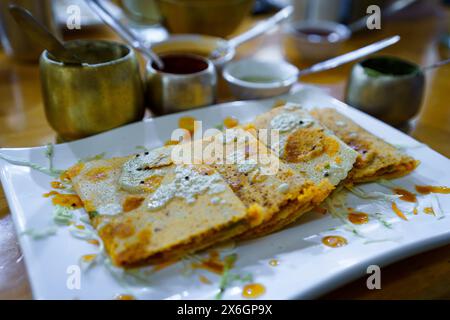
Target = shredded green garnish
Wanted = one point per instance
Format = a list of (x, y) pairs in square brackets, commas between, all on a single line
[(335, 204), (38, 234), (49, 152), (62, 215), (379, 217), (228, 277), (99, 156), (93, 214), (22, 163), (374, 195)]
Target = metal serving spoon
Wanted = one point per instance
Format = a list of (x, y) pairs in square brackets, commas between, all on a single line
[(395, 7), (38, 33), (350, 56), (254, 32), (124, 32)]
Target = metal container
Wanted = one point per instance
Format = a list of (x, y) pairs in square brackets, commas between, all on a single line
[(15, 42), (387, 88), (104, 93), (171, 92)]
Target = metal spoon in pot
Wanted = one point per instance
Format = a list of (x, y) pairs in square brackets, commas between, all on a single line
[(254, 32), (40, 34), (350, 56), (124, 32)]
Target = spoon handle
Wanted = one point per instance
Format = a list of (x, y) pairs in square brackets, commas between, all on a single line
[(41, 35), (262, 27), (351, 56), (436, 65), (123, 31)]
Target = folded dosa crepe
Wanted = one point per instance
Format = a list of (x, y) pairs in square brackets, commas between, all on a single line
[(263, 182), (149, 210), (308, 148), (377, 159)]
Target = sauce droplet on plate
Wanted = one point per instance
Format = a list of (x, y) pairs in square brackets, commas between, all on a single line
[(94, 242), (429, 210), (57, 185), (187, 123), (204, 280), (398, 212), (334, 241), (253, 291), (230, 122), (358, 217), (405, 195), (88, 257), (432, 189), (125, 297), (274, 263)]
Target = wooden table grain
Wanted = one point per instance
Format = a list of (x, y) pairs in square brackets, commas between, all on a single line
[(425, 276)]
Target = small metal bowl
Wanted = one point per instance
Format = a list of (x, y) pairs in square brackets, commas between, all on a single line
[(388, 88), (254, 79), (316, 40), (170, 92), (197, 44)]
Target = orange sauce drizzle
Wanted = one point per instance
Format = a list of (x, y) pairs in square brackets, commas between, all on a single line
[(398, 212), (65, 200), (204, 280), (429, 210), (405, 195), (57, 185), (212, 263), (358, 217), (88, 257), (94, 242), (432, 189), (415, 211), (97, 174), (50, 194), (274, 263), (171, 143), (80, 227), (125, 297), (187, 123), (163, 265), (254, 290), (132, 203), (72, 172), (334, 241), (230, 122)]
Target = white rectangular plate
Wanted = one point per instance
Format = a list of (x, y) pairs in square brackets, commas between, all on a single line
[(306, 268)]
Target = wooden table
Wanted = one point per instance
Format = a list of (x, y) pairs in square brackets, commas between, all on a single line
[(23, 124)]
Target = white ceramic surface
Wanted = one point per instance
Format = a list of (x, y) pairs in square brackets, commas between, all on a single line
[(307, 269), (285, 75)]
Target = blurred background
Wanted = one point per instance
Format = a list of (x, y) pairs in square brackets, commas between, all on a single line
[(423, 26)]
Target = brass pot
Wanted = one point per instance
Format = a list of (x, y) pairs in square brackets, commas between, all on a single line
[(104, 93), (218, 18)]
